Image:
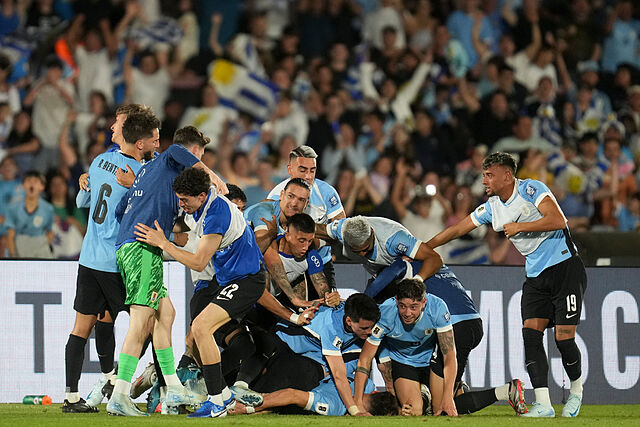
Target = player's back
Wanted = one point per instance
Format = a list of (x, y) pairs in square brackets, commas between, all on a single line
[(98, 247)]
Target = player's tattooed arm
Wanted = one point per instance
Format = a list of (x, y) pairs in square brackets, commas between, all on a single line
[(321, 284), (446, 342), (279, 276)]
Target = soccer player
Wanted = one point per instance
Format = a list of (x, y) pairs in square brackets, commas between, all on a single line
[(100, 292), (237, 285), (293, 254), (332, 338), (467, 331), (325, 399), (556, 280), (324, 204), (409, 324), (150, 200), (376, 243)]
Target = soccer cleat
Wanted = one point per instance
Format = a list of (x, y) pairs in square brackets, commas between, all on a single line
[(144, 382), (167, 410), (246, 396), (79, 407), (208, 409), (538, 410), (516, 397), (230, 403), (572, 407), (177, 396), (95, 396), (121, 404)]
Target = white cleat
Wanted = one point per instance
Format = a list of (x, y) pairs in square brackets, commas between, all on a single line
[(121, 404), (177, 396), (572, 407), (95, 396), (538, 410)]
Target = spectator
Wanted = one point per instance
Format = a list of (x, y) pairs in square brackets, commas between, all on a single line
[(582, 34), (22, 144), (260, 191), (522, 139), (289, 119), (342, 155), (434, 153), (52, 97), (623, 37), (9, 16), (70, 222), (11, 191), (30, 222), (460, 24), (628, 215), (94, 66), (8, 92), (387, 15), (149, 83)]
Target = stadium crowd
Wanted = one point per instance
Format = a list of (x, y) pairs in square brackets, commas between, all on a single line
[(401, 100)]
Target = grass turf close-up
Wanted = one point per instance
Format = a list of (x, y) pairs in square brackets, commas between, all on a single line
[(495, 416)]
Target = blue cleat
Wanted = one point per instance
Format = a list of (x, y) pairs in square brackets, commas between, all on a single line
[(538, 410), (572, 407), (246, 396), (208, 409), (121, 404)]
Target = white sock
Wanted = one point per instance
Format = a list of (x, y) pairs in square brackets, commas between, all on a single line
[(122, 387), (576, 387), (216, 399), (226, 394), (542, 396), (502, 392), (163, 392), (72, 397), (107, 375), (241, 384), (172, 380)]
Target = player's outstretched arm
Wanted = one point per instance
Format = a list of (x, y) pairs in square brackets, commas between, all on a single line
[(269, 302), (447, 345), (452, 233), (362, 372), (339, 373), (207, 246), (321, 285), (431, 261)]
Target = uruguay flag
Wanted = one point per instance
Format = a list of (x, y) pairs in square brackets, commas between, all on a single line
[(245, 91)]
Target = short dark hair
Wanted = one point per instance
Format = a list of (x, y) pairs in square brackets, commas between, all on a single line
[(302, 222), (299, 182), (383, 403), (190, 135), (139, 126), (128, 109), (500, 159), (360, 306), (302, 151), (192, 182), (236, 193), (34, 174), (588, 136), (413, 289)]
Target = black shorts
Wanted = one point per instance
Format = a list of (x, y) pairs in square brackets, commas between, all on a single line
[(202, 298), (467, 335), (287, 369), (99, 291), (400, 370), (556, 294), (239, 296)]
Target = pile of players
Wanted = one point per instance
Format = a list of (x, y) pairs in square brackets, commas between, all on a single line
[(265, 291)]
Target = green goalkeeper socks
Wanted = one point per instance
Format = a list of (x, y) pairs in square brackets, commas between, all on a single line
[(127, 365)]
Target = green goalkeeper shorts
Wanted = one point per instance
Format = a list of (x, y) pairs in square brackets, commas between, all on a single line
[(141, 268)]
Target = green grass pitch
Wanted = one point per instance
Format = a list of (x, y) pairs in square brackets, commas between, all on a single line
[(494, 416)]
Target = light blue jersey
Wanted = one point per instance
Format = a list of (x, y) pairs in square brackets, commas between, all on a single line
[(411, 345), (266, 210), (541, 249), (10, 192), (99, 244), (392, 241), (238, 255), (36, 223), (325, 399), (324, 205), (325, 335)]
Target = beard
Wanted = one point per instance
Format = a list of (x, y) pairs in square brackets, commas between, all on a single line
[(147, 156)]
